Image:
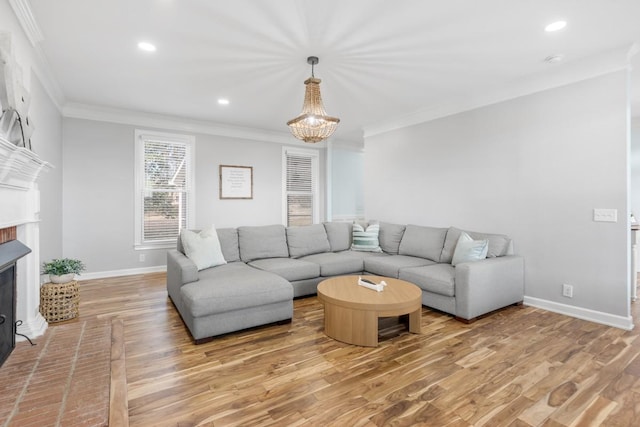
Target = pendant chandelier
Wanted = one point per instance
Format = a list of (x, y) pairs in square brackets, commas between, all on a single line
[(313, 124)]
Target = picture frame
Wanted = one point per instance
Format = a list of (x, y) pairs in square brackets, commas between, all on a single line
[(236, 182)]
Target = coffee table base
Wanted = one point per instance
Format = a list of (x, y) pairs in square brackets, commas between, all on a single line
[(360, 327)]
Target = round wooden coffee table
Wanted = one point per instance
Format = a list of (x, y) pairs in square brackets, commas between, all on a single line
[(351, 311)]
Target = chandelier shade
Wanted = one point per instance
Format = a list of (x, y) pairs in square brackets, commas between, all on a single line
[(313, 124)]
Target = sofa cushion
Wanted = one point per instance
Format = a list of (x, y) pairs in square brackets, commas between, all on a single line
[(436, 278), (229, 243), (335, 264), (289, 268), (267, 241), (389, 266), (202, 248), (498, 243), (468, 250), (366, 240), (339, 235), (390, 237), (307, 240), (233, 286), (423, 242), (364, 255)]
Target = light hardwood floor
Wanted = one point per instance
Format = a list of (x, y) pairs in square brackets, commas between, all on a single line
[(518, 367)]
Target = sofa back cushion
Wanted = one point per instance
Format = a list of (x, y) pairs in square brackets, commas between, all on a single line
[(228, 238), (423, 242), (229, 243), (266, 241), (390, 237), (307, 240), (499, 244), (339, 235)]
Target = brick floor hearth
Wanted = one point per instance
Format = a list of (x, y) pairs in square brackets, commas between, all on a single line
[(64, 380)]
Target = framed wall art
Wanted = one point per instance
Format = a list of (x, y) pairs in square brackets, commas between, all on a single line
[(236, 182)]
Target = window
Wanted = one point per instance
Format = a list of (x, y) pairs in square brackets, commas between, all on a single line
[(300, 183), (164, 188)]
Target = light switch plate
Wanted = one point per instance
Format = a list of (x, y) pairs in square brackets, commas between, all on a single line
[(605, 215)]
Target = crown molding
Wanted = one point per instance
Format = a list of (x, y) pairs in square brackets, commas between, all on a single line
[(566, 73), (40, 66), (22, 9), (160, 121)]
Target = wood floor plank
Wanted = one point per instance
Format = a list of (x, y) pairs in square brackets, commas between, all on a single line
[(588, 389), (505, 414), (478, 403), (118, 402), (519, 367), (627, 413), (595, 413)]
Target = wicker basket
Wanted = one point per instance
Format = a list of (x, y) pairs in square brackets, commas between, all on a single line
[(59, 302)]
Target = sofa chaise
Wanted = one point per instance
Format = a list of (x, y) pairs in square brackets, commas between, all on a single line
[(265, 267)]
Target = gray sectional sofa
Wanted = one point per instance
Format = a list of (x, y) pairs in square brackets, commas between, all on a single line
[(268, 266)]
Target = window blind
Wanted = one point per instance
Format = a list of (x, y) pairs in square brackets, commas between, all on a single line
[(300, 196), (164, 196)]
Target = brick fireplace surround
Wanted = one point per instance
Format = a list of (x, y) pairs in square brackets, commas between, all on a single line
[(7, 234)]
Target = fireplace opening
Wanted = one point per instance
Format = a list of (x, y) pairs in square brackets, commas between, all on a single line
[(10, 253)]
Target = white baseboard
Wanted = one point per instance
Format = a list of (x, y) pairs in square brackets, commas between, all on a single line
[(126, 272), (621, 322)]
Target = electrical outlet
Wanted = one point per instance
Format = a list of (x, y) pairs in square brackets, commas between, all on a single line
[(567, 291), (605, 215), (142, 257)]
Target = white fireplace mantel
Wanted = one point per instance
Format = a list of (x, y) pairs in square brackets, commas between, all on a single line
[(20, 207), (19, 167)]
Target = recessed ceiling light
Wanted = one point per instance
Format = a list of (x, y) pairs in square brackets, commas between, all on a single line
[(554, 59), (223, 101), (147, 47), (555, 26)]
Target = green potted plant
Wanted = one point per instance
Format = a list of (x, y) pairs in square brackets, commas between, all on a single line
[(62, 270)]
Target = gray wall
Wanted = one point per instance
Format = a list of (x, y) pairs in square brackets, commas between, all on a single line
[(265, 158), (99, 191), (535, 168), (47, 143), (46, 140), (634, 196), (347, 183)]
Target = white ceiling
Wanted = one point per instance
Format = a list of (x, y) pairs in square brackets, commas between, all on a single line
[(380, 60)]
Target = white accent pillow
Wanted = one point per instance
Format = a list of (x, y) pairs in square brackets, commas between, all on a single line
[(203, 248), (468, 249)]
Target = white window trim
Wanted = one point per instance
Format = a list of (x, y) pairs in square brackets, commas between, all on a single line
[(140, 136), (315, 162)]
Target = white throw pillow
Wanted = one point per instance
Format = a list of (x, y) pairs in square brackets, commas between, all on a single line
[(468, 249), (203, 248)]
